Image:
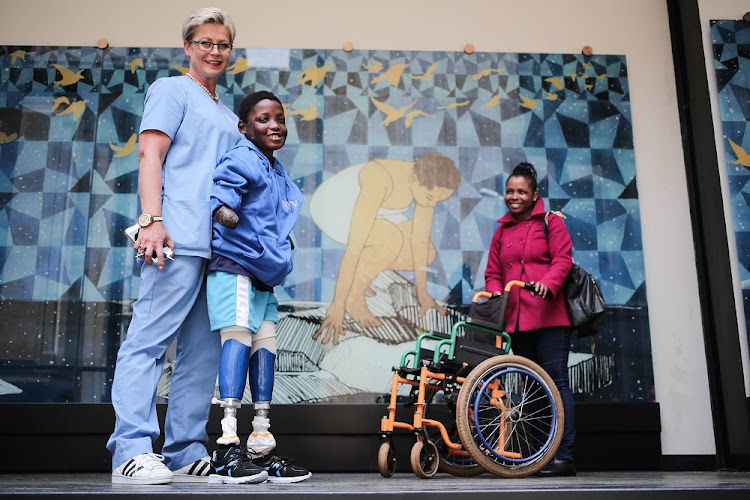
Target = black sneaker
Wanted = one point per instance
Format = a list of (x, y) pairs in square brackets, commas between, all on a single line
[(282, 469), (234, 467)]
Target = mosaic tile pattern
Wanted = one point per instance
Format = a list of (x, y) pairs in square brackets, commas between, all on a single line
[(731, 44), (68, 182)]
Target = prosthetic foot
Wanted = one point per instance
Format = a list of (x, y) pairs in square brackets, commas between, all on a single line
[(260, 442)]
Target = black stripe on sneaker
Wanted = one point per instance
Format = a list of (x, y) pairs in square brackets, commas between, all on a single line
[(203, 470), (192, 469), (129, 468)]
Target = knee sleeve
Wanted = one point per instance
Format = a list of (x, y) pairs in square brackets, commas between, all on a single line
[(265, 338), (235, 357)]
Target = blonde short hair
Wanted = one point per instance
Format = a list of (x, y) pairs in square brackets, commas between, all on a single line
[(199, 17)]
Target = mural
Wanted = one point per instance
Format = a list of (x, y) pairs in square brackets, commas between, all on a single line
[(731, 44), (363, 126)]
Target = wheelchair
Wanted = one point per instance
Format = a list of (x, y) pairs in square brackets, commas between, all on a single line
[(476, 407)]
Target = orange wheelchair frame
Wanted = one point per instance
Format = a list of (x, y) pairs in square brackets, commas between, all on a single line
[(486, 421)]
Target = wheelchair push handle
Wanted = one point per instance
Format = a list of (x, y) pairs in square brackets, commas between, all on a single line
[(526, 286)]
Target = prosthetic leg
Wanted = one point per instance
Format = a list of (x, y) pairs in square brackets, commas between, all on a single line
[(235, 358), (262, 360)]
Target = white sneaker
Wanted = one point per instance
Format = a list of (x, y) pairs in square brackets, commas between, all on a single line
[(144, 468), (261, 441), (196, 472)]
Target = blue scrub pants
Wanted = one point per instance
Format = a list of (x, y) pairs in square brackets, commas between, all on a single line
[(171, 302)]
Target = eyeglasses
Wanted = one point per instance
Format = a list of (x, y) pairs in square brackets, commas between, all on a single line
[(206, 46)]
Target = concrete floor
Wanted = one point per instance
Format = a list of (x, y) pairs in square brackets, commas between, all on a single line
[(610, 485)]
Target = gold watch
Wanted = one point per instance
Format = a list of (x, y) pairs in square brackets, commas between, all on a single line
[(144, 220)]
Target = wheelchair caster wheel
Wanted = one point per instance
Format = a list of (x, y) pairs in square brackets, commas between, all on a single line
[(386, 459), (424, 459)]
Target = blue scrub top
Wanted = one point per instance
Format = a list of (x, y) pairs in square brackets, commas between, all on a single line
[(201, 131)]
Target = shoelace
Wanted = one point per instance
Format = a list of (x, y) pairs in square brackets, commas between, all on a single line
[(282, 461)]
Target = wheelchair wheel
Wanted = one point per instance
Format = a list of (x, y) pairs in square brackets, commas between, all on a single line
[(444, 411), (386, 459), (510, 416), (424, 459)]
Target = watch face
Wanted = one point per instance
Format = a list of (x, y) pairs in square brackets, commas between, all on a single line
[(144, 220)]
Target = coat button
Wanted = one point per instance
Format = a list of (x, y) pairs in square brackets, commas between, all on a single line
[(509, 265)]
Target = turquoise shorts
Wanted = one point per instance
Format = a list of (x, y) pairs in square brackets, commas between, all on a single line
[(234, 301)]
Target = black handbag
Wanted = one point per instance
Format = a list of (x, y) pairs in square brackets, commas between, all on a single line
[(583, 297)]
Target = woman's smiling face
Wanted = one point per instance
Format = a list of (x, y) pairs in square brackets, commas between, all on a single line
[(519, 198), (208, 65)]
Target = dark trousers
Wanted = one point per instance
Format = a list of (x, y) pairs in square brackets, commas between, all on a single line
[(548, 347)]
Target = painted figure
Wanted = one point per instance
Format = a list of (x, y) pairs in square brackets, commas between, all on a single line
[(381, 236), (255, 206)]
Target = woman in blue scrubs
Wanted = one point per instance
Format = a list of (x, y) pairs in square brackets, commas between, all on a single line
[(184, 132)]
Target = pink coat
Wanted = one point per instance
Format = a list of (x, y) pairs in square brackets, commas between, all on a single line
[(519, 251)]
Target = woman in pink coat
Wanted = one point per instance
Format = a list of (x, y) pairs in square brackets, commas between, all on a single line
[(539, 321)]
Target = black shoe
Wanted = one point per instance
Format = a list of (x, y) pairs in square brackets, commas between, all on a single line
[(233, 466), (281, 469), (557, 468)]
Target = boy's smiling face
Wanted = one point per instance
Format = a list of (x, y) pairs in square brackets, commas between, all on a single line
[(265, 126)]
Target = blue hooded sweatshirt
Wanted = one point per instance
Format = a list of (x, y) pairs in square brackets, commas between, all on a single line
[(267, 203)]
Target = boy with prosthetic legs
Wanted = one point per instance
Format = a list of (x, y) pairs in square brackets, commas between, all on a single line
[(255, 206)]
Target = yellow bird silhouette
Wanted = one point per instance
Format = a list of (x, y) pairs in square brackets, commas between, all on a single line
[(413, 114), (557, 82), (589, 87), (67, 77), (374, 68), (742, 157), (7, 139), (393, 75), (428, 74), (527, 102), (551, 97), (573, 76), (454, 105), (60, 100), (76, 109), (391, 114), (586, 66), (17, 54), (135, 63), (308, 114), (494, 101), (314, 75), (181, 69), (602, 77), (240, 65), (487, 72), (128, 148)]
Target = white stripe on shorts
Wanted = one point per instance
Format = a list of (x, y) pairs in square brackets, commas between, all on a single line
[(242, 308)]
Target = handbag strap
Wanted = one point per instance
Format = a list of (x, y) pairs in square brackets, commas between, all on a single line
[(545, 225)]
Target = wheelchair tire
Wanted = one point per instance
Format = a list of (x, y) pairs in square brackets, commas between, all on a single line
[(424, 459), (386, 459), (456, 465), (518, 434)]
